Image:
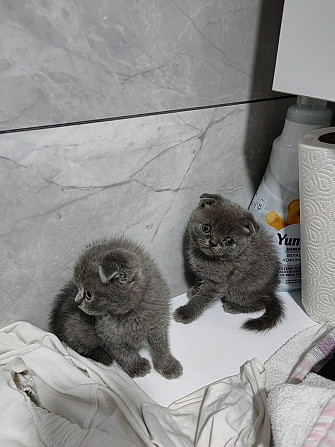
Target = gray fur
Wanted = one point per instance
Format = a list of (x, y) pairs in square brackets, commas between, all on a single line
[(243, 275), (116, 302)]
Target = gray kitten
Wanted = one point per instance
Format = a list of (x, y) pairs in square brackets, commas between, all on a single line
[(233, 260), (117, 301)]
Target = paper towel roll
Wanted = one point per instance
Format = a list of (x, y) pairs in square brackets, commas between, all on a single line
[(316, 155)]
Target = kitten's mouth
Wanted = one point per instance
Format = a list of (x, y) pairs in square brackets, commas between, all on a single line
[(209, 251)]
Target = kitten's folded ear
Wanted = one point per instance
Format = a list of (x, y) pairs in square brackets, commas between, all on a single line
[(106, 274), (121, 264), (250, 225), (209, 199)]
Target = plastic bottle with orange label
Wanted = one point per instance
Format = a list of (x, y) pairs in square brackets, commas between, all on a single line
[(276, 202)]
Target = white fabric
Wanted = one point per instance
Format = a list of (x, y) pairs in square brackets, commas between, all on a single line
[(51, 396), (282, 363), (301, 414), (295, 409)]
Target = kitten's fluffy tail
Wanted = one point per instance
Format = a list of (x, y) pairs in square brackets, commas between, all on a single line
[(274, 313)]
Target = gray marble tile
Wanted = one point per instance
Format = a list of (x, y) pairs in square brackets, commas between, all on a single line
[(62, 188), (69, 61)]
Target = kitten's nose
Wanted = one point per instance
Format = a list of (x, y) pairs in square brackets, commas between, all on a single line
[(212, 244)]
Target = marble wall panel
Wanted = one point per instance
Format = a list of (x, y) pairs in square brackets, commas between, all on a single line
[(69, 61), (62, 188)]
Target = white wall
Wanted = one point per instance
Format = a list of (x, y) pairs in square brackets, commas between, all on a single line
[(306, 52)]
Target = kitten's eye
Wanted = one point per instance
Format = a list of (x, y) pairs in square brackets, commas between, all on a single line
[(229, 241), (88, 295), (206, 228)]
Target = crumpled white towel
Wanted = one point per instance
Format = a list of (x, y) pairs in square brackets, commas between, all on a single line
[(302, 411), (282, 363), (51, 396), (295, 409)]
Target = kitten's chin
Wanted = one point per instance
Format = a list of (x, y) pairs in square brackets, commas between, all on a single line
[(88, 311)]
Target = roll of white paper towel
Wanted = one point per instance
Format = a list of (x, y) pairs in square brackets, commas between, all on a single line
[(316, 155)]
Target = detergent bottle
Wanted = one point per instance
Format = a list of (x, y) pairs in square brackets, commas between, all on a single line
[(276, 203)]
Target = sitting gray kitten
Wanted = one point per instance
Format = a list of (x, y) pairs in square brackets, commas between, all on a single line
[(233, 260), (116, 301)]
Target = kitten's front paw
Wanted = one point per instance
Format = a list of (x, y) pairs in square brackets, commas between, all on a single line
[(172, 370), (140, 368), (183, 315)]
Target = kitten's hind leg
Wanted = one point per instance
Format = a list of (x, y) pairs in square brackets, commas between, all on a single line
[(235, 308), (162, 359), (230, 307)]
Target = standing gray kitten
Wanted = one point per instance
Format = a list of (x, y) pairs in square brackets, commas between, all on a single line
[(234, 261), (116, 301)]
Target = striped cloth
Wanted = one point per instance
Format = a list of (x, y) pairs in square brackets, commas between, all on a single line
[(323, 431), (319, 354)]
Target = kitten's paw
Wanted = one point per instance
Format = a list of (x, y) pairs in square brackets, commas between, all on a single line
[(140, 368), (183, 315), (230, 308), (172, 370)]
